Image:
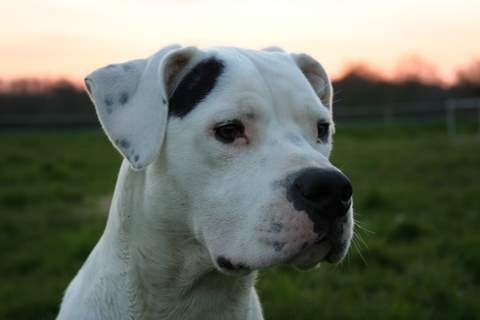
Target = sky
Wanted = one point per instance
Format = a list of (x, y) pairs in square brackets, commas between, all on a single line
[(69, 38)]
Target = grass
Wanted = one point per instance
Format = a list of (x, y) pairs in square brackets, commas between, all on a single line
[(416, 190)]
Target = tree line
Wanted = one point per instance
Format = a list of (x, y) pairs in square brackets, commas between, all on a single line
[(359, 86)]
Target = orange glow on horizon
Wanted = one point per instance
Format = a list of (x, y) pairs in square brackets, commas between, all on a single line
[(68, 39)]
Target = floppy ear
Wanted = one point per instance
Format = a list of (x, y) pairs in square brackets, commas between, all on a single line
[(317, 77), (131, 101)]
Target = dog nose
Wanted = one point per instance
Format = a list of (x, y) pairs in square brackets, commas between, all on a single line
[(321, 192)]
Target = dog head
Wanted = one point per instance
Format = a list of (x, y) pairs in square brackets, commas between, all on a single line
[(244, 137)]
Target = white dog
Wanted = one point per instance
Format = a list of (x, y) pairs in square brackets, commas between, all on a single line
[(226, 171)]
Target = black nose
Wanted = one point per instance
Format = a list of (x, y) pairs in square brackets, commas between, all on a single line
[(321, 192)]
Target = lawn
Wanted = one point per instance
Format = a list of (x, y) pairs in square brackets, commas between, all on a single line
[(416, 191)]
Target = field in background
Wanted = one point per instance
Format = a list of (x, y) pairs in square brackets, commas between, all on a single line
[(416, 190)]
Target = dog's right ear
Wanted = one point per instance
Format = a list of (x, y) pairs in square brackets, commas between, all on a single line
[(316, 76), (131, 101)]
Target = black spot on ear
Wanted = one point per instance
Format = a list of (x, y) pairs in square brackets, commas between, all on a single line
[(123, 98), (195, 86), (108, 101), (123, 143)]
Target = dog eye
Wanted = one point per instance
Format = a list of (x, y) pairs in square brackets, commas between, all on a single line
[(322, 130), (228, 132)]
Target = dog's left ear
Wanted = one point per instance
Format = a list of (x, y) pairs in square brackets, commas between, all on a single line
[(131, 100), (317, 77)]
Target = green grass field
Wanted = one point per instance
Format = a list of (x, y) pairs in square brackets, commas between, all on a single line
[(417, 191)]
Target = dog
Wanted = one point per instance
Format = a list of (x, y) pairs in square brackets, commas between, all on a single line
[(226, 171)]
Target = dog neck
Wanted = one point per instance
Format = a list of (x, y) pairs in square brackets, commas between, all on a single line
[(166, 272)]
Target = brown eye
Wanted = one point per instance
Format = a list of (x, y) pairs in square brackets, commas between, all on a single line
[(229, 131), (322, 130)]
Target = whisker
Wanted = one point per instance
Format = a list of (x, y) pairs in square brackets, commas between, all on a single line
[(361, 240), (362, 227), (359, 252)]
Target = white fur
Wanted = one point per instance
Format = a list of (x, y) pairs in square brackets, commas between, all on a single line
[(183, 199)]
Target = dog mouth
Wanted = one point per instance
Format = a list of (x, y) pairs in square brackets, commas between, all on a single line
[(302, 251), (331, 246), (309, 256), (322, 250)]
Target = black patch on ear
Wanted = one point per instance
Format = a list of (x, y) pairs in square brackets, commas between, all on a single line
[(108, 101), (195, 86), (123, 97)]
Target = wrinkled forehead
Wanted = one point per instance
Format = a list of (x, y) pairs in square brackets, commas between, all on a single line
[(261, 81)]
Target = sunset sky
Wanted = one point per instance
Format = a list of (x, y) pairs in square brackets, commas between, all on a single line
[(69, 38)]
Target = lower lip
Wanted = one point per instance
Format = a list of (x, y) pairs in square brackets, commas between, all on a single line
[(313, 254)]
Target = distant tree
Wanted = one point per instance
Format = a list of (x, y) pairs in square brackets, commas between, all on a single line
[(40, 96), (363, 70), (470, 75), (415, 80), (415, 69), (362, 85), (468, 81), (357, 84), (28, 86)]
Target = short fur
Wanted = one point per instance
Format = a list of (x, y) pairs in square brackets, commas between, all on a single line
[(192, 218)]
